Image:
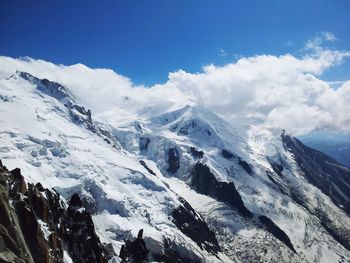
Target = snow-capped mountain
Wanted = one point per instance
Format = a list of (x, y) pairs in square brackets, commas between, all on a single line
[(201, 189)]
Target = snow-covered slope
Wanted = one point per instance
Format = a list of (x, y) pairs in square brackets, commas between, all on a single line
[(185, 176)]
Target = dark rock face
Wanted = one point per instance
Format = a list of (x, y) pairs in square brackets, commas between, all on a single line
[(204, 182), (226, 154), (196, 154), (245, 166), (13, 246), (173, 160), (18, 184), (192, 225), (144, 142), (40, 225), (134, 251), (147, 168), (52, 89), (79, 233), (33, 212), (276, 231), (321, 171), (75, 202)]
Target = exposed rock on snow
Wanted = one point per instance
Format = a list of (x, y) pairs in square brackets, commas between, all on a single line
[(204, 181), (193, 225), (173, 160)]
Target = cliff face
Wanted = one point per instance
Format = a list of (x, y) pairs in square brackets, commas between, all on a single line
[(36, 226), (13, 246)]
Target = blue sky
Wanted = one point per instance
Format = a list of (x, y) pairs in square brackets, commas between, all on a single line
[(145, 40)]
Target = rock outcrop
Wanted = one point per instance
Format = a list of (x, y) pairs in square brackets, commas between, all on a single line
[(173, 160), (134, 251), (193, 225), (205, 182), (36, 226), (79, 234), (13, 246)]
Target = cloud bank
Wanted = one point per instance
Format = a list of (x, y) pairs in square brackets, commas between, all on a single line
[(277, 92), (271, 91)]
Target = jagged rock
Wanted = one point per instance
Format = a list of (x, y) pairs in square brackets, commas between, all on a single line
[(197, 154), (80, 115), (40, 225), (13, 247), (79, 234), (39, 187), (17, 183), (52, 88), (42, 238), (134, 251), (43, 248)]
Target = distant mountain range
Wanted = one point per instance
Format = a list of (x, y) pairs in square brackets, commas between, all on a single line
[(339, 150)]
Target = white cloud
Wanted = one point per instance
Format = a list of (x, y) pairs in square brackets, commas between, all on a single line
[(99, 89), (277, 92), (329, 36), (317, 43), (272, 91), (222, 53)]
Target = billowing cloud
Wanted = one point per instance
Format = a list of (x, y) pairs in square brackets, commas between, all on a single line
[(272, 91), (99, 89), (279, 92)]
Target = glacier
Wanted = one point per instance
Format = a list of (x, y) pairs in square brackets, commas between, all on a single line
[(180, 172)]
